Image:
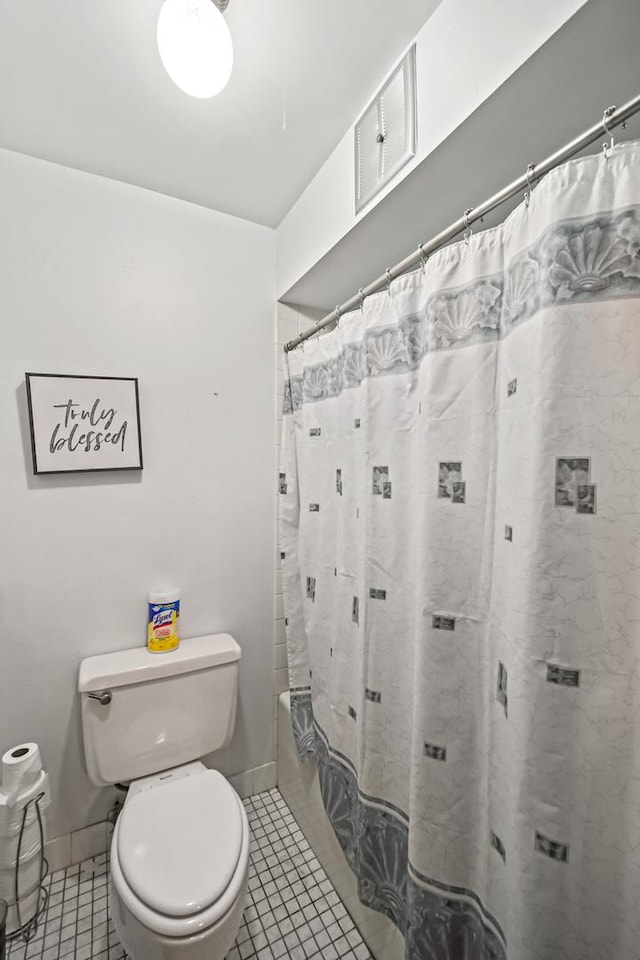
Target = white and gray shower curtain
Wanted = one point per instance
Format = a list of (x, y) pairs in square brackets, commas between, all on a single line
[(460, 543)]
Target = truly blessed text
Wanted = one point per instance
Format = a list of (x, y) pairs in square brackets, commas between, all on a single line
[(73, 431)]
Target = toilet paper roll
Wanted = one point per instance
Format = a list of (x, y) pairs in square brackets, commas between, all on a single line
[(14, 805), (21, 766)]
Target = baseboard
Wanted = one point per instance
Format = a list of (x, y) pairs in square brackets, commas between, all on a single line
[(62, 852), (79, 845), (254, 781)]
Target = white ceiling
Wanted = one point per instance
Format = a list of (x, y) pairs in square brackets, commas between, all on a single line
[(81, 84)]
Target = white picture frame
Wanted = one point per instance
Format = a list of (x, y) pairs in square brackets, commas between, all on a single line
[(82, 423)]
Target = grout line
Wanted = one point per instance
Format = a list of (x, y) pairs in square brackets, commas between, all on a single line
[(93, 900), (77, 899), (62, 893), (45, 921)]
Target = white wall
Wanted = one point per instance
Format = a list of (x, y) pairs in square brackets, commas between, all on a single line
[(464, 53), (98, 277)]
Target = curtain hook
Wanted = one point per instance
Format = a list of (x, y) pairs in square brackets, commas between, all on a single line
[(527, 194), (389, 277), (468, 231), (423, 258), (362, 298), (608, 147)]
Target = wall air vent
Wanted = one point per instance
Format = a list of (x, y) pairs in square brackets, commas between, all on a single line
[(385, 134)]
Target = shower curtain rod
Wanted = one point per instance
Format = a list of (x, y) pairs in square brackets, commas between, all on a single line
[(612, 117)]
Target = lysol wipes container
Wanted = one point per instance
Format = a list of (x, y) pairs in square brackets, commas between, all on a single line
[(162, 624)]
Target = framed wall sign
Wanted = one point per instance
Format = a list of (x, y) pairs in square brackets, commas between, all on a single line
[(83, 423)]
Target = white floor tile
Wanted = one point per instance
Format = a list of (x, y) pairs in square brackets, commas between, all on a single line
[(292, 911)]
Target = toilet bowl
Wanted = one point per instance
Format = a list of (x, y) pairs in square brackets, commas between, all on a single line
[(179, 866)]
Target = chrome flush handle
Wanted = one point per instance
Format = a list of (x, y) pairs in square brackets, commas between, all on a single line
[(104, 697)]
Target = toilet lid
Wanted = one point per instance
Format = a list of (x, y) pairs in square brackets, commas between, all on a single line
[(179, 843)]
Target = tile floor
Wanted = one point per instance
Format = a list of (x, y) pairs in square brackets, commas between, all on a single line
[(292, 909)]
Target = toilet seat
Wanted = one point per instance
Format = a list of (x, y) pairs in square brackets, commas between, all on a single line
[(179, 853), (179, 843)]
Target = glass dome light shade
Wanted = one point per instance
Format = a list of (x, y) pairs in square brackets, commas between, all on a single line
[(195, 46)]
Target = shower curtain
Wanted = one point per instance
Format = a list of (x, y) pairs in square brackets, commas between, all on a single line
[(460, 546)]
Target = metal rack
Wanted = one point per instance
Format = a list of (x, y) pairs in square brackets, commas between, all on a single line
[(26, 930)]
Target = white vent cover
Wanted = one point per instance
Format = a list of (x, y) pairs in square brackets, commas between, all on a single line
[(385, 135)]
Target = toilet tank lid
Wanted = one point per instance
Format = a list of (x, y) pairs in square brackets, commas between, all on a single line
[(137, 665)]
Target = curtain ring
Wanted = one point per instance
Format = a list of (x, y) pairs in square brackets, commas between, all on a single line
[(389, 277), (423, 258), (527, 194), (316, 327), (337, 313), (362, 299), (468, 231), (608, 147)]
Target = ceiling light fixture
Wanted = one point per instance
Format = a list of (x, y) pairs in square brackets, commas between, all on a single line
[(195, 45)]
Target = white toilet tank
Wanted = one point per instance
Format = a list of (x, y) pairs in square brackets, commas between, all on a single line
[(158, 710)]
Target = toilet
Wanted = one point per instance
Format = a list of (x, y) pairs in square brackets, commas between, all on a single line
[(180, 847)]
